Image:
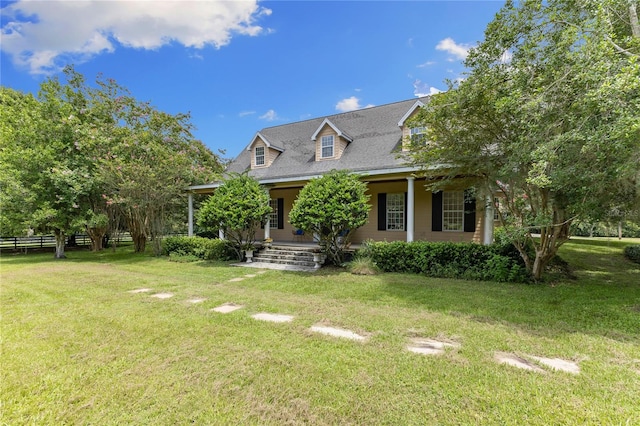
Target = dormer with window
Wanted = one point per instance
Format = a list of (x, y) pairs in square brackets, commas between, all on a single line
[(412, 135), (263, 153), (330, 141)]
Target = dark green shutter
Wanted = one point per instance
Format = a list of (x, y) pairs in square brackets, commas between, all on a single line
[(469, 211), (406, 195), (280, 213), (436, 211), (382, 212)]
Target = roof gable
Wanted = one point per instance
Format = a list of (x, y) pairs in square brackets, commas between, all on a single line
[(404, 118), (327, 122), (266, 142)]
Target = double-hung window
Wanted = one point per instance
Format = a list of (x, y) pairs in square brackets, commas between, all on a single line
[(259, 153), (273, 215), (418, 135), (395, 212), (326, 147), (453, 211)]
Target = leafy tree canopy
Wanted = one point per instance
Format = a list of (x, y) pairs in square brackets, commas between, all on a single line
[(547, 116), (237, 207), (332, 208), (79, 157)]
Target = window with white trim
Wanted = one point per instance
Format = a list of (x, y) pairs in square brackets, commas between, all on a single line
[(326, 147), (496, 208), (273, 216), (418, 134), (452, 210), (395, 212), (259, 155)]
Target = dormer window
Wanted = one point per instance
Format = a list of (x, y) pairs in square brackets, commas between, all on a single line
[(259, 155), (327, 146), (418, 135)]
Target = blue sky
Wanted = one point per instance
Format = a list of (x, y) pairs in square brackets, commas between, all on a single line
[(242, 66)]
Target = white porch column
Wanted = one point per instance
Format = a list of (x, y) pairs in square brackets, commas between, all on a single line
[(487, 237), (221, 234), (410, 208), (190, 232), (267, 223)]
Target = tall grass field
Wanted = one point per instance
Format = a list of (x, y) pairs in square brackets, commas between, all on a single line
[(78, 347)]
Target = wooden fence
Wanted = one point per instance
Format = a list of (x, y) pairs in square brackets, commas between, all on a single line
[(45, 241), (42, 241)]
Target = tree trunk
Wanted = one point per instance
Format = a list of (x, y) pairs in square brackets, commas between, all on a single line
[(97, 237), (60, 242), (620, 230), (139, 241)]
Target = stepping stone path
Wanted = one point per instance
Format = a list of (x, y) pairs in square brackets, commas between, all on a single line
[(162, 295), (421, 346), (516, 361), (337, 332), (272, 317), (558, 364), (227, 307), (250, 276), (430, 346)]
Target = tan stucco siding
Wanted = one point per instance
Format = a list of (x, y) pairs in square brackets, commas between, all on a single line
[(270, 154), (255, 144), (339, 144), (286, 234), (406, 132), (422, 217)]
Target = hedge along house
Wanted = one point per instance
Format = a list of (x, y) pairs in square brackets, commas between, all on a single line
[(368, 142)]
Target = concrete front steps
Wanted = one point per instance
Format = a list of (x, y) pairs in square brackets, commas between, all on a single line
[(287, 258)]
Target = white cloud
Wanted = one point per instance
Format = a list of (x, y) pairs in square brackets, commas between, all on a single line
[(421, 89), (245, 113), (350, 104), (459, 51), (42, 35), (269, 116), (426, 64)]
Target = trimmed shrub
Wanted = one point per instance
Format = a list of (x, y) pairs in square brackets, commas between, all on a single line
[(448, 260), (633, 253), (199, 247)]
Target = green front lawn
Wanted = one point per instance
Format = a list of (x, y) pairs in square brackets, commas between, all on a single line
[(78, 348)]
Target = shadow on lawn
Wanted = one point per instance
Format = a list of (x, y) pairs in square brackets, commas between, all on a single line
[(603, 300)]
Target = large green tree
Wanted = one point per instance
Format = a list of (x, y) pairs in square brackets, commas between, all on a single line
[(547, 116), (80, 157), (332, 207), (237, 207)]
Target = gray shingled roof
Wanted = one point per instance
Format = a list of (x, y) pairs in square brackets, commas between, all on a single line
[(376, 143)]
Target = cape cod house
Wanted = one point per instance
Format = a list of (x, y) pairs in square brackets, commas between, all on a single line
[(368, 142)]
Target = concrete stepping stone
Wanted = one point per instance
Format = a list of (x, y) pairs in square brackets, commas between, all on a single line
[(250, 276), (430, 346), (162, 295), (235, 280), (227, 307), (337, 332), (516, 361), (558, 364), (139, 290), (272, 317), (196, 300)]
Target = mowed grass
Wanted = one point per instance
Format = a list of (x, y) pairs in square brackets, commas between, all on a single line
[(78, 348)]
